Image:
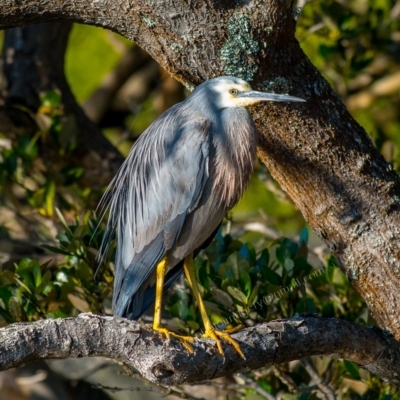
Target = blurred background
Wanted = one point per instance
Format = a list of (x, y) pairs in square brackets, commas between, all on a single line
[(56, 162)]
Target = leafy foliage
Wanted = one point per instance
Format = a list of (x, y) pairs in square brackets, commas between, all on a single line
[(356, 45), (69, 285)]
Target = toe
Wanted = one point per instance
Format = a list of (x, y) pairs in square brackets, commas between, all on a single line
[(183, 339), (233, 342), (215, 335)]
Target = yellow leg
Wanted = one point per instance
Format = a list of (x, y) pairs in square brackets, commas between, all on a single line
[(210, 331), (160, 275)]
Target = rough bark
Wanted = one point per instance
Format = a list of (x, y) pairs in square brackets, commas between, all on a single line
[(316, 151), (166, 362)]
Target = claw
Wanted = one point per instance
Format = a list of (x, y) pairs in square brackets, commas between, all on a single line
[(183, 339), (215, 335)]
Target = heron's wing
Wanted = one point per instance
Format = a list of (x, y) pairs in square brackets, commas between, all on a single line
[(159, 184)]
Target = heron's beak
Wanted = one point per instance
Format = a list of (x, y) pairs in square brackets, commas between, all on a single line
[(253, 97)]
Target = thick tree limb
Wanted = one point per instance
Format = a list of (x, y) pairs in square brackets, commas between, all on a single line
[(166, 362)]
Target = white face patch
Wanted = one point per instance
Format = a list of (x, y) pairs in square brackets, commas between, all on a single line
[(227, 93)]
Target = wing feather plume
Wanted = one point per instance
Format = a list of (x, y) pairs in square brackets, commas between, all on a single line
[(160, 182)]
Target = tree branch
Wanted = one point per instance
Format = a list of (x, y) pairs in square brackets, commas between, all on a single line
[(166, 362), (99, 102)]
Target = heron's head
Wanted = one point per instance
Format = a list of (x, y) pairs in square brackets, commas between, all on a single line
[(229, 91)]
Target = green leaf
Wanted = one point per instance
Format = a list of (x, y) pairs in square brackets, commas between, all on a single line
[(49, 195), (81, 231), (14, 308), (265, 385), (51, 99), (223, 269), (301, 267), (310, 306), (7, 278), (326, 51), (328, 311), (281, 254), (72, 174), (225, 284), (183, 310), (330, 269), (63, 221), (194, 326), (179, 325), (237, 295), (63, 239), (222, 298), (233, 262), (271, 276), (5, 295), (191, 313), (56, 250), (58, 314), (263, 260), (352, 369), (253, 295), (202, 276), (288, 265), (25, 276), (291, 247), (37, 273), (303, 238), (287, 250), (234, 245), (178, 305), (245, 283), (296, 283), (248, 253)]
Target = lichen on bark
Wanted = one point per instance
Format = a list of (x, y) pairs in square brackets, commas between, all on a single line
[(238, 49)]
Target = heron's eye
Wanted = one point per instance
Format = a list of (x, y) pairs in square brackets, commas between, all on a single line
[(233, 92)]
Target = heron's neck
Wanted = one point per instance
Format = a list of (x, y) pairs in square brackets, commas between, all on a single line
[(235, 142)]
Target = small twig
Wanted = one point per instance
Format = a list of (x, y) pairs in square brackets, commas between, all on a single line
[(285, 379), (322, 386), (256, 387), (289, 382)]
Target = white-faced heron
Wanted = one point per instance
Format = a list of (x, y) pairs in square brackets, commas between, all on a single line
[(168, 200)]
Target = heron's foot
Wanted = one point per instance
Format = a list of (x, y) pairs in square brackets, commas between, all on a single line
[(183, 339), (224, 335)]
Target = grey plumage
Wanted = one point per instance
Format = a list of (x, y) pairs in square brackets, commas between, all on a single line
[(183, 174)]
